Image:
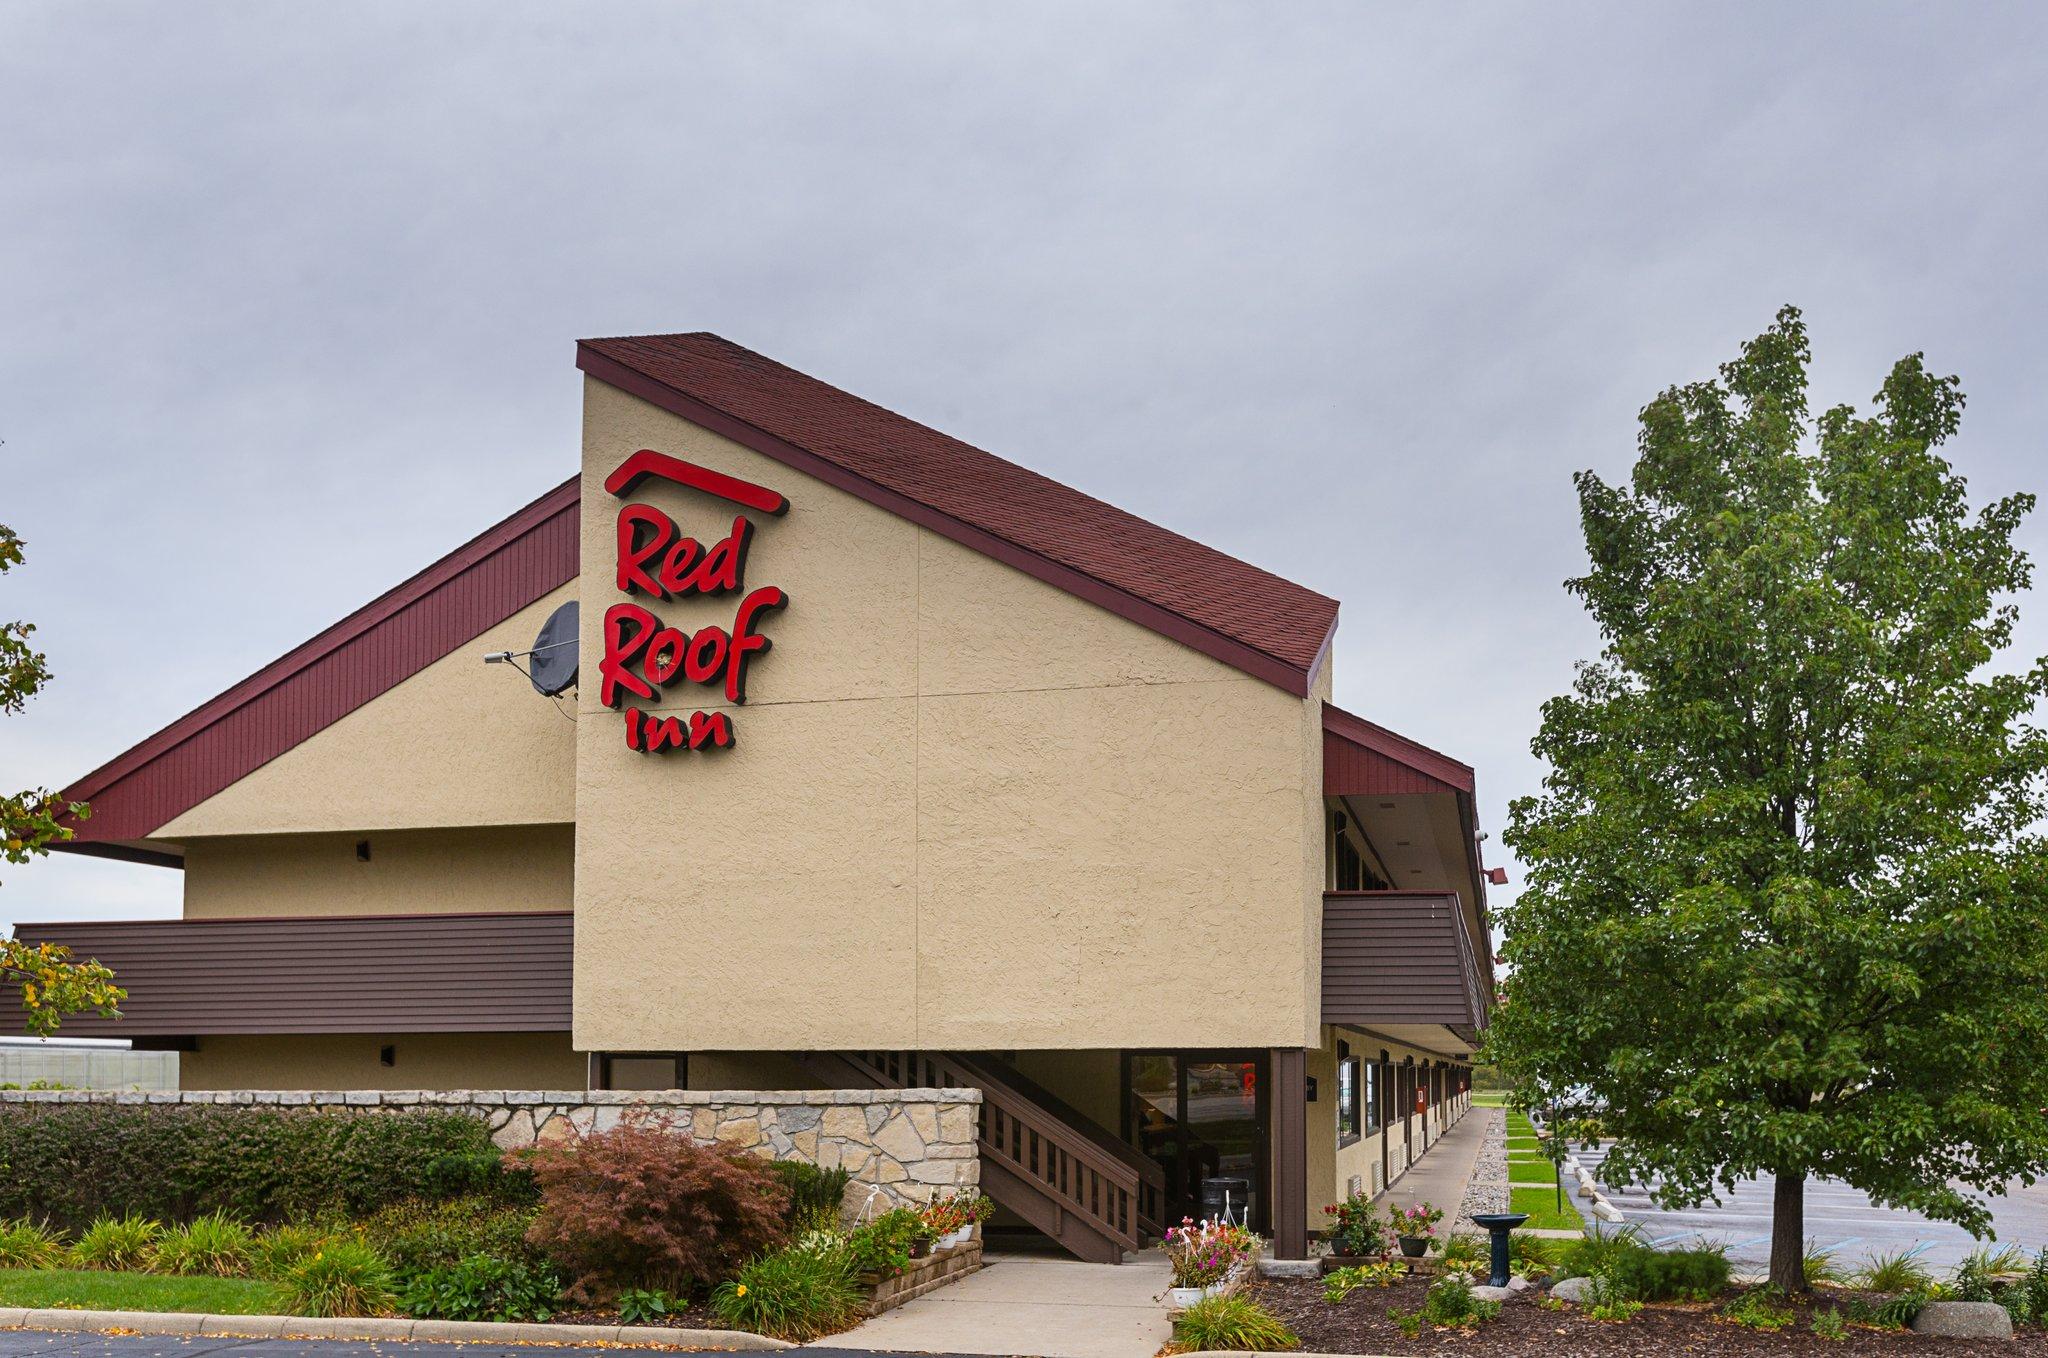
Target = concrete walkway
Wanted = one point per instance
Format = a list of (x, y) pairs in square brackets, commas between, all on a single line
[(1440, 1176), (1035, 1304)]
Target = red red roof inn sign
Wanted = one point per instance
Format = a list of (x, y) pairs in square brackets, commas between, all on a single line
[(656, 560)]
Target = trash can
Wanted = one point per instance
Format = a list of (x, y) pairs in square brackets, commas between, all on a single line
[(1226, 1198)]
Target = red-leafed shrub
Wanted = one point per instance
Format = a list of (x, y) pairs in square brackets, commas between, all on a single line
[(642, 1205)]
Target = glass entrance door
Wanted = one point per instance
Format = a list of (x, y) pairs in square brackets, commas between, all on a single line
[(1201, 1116)]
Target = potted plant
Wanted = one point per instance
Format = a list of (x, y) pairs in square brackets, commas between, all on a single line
[(1209, 1258), (1358, 1234), (954, 1218), (1416, 1227)]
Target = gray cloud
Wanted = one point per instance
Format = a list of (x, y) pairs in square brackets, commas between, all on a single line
[(287, 293)]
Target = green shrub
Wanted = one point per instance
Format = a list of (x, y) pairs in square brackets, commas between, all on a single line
[(887, 1244), (1342, 1282), (793, 1294), (645, 1305), (1462, 1252), (1973, 1280), (2027, 1299), (641, 1205), (1644, 1274), (1590, 1255), (420, 1235), (482, 1287), (1818, 1265), (1232, 1323), (1530, 1254), (1900, 1312), (1829, 1324), (1759, 1310), (345, 1278), (76, 1162), (30, 1244), (1897, 1271), (282, 1248), (123, 1243), (215, 1244), (814, 1193)]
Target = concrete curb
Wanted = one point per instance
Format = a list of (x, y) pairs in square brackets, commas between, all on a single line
[(371, 1327)]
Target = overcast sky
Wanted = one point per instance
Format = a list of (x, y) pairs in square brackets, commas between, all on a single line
[(288, 294)]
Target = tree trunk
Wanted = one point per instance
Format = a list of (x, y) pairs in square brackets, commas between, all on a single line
[(1788, 1233)]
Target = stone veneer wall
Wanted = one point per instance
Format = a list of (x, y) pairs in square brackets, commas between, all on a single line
[(911, 1145)]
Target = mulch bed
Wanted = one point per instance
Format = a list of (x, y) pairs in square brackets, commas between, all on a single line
[(1359, 1324), (696, 1316)]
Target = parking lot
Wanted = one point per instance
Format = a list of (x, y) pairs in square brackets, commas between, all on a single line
[(1838, 1217)]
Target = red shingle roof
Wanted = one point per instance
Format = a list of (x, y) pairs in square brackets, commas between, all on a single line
[(1243, 615)]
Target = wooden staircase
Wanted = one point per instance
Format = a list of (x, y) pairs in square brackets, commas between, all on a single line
[(1040, 1158)]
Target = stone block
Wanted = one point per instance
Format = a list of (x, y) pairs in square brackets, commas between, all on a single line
[(958, 1124), (1290, 1268), (744, 1132), (845, 1122), (925, 1119), (1964, 1320), (1572, 1290), (899, 1138)]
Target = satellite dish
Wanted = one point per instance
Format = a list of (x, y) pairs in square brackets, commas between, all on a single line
[(554, 651)]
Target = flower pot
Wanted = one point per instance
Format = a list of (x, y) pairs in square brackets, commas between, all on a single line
[(1414, 1246), (953, 1239), (1180, 1298)]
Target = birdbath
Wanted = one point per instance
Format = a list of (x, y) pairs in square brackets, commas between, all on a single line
[(1498, 1224)]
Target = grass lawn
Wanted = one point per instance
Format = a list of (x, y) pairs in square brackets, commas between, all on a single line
[(92, 1290), (1531, 1172), (1541, 1205), (1489, 1098)]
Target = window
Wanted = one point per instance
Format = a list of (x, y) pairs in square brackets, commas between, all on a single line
[(1350, 1119), (1371, 1099)]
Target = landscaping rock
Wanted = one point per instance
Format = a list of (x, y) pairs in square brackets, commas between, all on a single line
[(1964, 1320), (1572, 1290), (1518, 1283), (1290, 1268), (1484, 1293)]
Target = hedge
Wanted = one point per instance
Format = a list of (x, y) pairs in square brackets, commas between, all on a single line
[(71, 1162)]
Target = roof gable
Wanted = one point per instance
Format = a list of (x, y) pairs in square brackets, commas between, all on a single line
[(372, 650), (1254, 620), (1248, 618)]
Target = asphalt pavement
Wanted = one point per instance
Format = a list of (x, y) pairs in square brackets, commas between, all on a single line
[(1838, 1218)]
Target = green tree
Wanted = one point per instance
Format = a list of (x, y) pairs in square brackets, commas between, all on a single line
[(1787, 905), (51, 984)]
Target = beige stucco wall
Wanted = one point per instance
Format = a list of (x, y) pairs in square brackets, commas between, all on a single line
[(349, 1061), (409, 872), (458, 743), (965, 809)]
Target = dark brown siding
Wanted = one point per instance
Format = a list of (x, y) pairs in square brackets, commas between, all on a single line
[(355, 974), (1361, 758), (1398, 957), (367, 653)]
